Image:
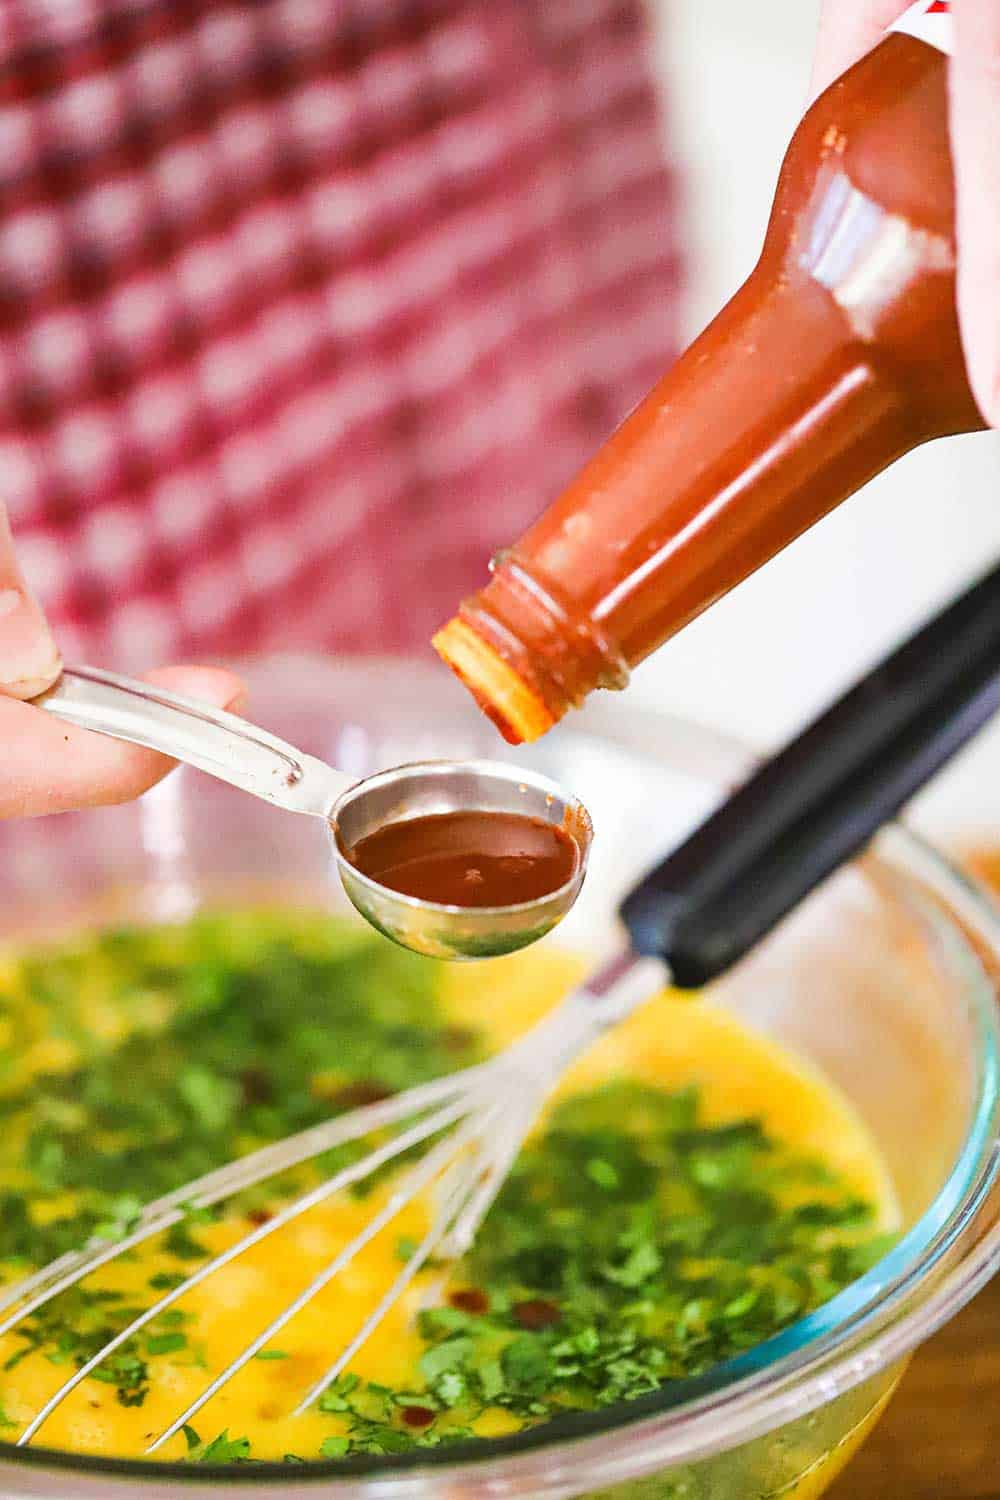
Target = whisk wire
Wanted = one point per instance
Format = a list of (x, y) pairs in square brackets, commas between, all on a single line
[(33, 1291), (415, 1181), (463, 1179)]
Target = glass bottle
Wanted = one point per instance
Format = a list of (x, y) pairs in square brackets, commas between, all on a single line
[(839, 354)]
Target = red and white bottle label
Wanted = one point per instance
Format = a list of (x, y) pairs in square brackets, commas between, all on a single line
[(930, 20)]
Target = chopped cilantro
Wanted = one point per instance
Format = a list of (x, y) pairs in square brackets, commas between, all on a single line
[(181, 1243), (128, 1373), (491, 1379), (213, 1099), (336, 1397), (221, 1450), (449, 1355), (450, 1387), (526, 1364), (166, 1281), (335, 1447), (602, 1172), (642, 1262), (165, 1343), (322, 1004), (634, 1243), (123, 1216)]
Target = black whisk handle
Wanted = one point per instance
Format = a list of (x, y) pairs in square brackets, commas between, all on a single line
[(820, 799)]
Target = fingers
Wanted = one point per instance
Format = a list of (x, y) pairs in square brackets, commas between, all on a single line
[(29, 660), (847, 30), (47, 766), (975, 133)]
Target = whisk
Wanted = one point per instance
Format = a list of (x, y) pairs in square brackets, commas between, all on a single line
[(808, 809)]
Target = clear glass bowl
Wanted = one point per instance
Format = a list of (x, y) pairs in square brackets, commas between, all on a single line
[(886, 979)]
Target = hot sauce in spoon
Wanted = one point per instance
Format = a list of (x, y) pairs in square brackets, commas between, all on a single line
[(473, 858)]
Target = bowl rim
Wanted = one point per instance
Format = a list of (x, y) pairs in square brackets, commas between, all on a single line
[(641, 1437)]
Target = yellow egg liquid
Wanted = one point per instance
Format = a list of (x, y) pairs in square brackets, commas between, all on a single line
[(673, 1044)]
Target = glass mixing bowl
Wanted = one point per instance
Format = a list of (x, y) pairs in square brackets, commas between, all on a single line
[(886, 979)]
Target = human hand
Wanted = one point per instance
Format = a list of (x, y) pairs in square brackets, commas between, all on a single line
[(47, 766), (848, 29)]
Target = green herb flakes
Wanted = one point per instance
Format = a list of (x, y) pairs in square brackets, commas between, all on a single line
[(221, 1450), (335, 1447), (633, 1244)]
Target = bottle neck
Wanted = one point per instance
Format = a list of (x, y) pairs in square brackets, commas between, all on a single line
[(763, 426)]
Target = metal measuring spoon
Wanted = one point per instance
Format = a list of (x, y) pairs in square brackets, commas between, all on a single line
[(236, 751)]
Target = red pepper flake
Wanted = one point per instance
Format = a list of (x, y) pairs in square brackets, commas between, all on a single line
[(457, 1038), (536, 1314), (256, 1085), (356, 1095), (417, 1416), (469, 1299), (259, 1215)]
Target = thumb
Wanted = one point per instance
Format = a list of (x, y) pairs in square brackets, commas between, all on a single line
[(29, 659), (847, 32), (975, 129)]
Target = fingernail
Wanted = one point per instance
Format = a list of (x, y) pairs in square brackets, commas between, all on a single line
[(29, 659)]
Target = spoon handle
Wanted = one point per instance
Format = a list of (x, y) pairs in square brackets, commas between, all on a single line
[(212, 740), (819, 800)]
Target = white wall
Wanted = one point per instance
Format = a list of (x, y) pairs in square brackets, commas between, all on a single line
[(789, 638)]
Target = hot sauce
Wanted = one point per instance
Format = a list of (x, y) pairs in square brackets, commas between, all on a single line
[(469, 858), (838, 355)]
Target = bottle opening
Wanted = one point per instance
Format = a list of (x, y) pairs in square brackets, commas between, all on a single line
[(507, 698)]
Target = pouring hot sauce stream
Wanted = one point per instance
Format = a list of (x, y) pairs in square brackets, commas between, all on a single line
[(839, 354)]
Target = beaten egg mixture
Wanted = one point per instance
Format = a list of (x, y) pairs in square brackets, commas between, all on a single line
[(692, 1190)]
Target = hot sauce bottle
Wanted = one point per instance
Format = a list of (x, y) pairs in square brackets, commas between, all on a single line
[(839, 354)]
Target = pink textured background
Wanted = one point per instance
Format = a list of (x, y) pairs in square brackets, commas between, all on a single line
[(307, 306)]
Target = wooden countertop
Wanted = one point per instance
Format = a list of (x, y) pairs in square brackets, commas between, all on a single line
[(940, 1437)]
